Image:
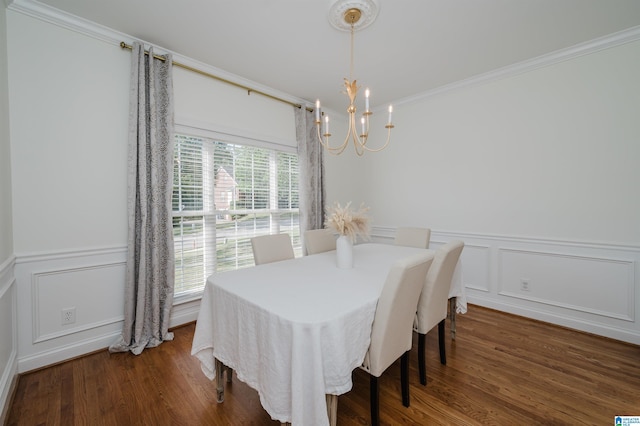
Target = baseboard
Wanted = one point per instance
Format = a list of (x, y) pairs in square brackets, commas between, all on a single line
[(8, 385), (65, 352), (581, 325), (182, 313), (185, 312), (8, 333)]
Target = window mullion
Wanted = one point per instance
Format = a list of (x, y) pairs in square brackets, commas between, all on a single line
[(273, 193)]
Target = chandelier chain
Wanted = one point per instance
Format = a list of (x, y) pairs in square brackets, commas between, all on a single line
[(352, 44)]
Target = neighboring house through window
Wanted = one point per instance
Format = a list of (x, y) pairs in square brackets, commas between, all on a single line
[(223, 195)]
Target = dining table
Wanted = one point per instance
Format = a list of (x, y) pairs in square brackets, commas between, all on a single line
[(295, 330)]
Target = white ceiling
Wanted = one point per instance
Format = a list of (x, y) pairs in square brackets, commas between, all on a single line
[(413, 46)]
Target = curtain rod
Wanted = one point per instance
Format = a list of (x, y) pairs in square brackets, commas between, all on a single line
[(215, 77)]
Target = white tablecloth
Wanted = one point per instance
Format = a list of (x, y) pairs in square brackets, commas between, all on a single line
[(457, 289), (294, 330)]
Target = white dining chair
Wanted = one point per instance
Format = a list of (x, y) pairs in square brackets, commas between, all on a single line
[(271, 248), (391, 333), (412, 237), (319, 241), (432, 305)]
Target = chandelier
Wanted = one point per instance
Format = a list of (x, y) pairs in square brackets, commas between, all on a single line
[(351, 12)]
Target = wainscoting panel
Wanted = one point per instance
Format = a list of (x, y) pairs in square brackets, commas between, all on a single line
[(588, 287), (71, 288), (596, 285), (90, 282), (475, 264), (592, 287), (8, 334), (474, 261)]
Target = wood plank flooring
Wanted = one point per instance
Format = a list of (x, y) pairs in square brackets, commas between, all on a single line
[(501, 370)]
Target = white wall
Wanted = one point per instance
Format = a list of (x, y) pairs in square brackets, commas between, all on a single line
[(6, 234), (8, 327), (69, 115), (551, 153), (69, 111), (538, 172)]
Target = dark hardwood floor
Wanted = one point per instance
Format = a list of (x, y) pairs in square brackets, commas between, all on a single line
[(501, 370)]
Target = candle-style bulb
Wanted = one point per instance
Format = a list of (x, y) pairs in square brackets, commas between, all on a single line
[(390, 112), (366, 100), (317, 109)]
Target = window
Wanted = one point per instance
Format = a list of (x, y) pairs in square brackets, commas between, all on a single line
[(223, 195)]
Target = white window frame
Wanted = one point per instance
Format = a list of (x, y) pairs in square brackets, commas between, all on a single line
[(209, 213)]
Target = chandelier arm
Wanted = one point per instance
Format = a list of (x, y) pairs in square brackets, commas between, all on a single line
[(335, 150), (389, 127), (358, 144)]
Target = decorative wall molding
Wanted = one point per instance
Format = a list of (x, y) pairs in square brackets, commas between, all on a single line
[(6, 275), (91, 280), (616, 283), (40, 257), (388, 232), (476, 258), (74, 23), (586, 48), (184, 312), (62, 19), (91, 29), (65, 351), (8, 385), (39, 279), (584, 285), (8, 366), (43, 275)]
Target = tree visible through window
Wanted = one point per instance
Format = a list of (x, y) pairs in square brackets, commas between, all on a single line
[(223, 195)]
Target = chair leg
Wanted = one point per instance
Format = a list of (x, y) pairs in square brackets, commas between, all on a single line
[(443, 355), (374, 397), (404, 378), (422, 366), (452, 316)]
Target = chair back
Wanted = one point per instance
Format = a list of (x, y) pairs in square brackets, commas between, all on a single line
[(432, 306), (319, 240), (391, 333), (272, 248), (413, 237)]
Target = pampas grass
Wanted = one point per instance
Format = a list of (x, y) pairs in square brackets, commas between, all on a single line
[(348, 222)]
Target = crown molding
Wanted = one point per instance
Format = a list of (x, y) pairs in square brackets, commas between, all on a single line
[(88, 28), (55, 16), (62, 19), (612, 40)]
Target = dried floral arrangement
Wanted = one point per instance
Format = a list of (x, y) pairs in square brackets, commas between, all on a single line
[(348, 222)]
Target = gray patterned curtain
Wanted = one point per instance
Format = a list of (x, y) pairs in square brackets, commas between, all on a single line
[(311, 164), (150, 261)]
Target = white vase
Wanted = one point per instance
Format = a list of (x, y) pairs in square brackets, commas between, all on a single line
[(344, 252)]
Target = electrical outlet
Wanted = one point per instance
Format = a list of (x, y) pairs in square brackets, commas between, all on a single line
[(68, 316), (525, 284)]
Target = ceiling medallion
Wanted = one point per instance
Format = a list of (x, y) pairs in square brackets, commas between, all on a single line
[(337, 10)]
